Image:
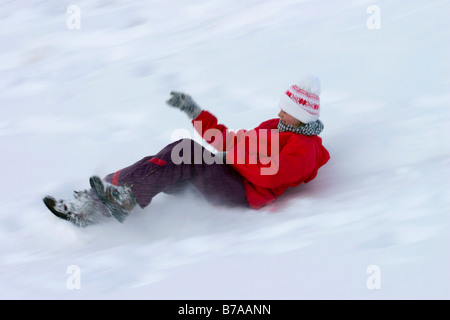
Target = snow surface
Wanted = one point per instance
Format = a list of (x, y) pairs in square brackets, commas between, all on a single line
[(91, 101)]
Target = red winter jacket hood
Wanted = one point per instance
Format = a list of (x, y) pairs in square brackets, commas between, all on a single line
[(268, 160)]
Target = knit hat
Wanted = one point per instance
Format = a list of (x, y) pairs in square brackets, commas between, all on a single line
[(301, 100)]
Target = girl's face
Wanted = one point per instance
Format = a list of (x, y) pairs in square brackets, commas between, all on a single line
[(288, 119)]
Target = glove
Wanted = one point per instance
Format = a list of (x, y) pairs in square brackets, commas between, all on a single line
[(185, 103)]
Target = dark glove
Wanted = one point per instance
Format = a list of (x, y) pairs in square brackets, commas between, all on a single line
[(185, 103)]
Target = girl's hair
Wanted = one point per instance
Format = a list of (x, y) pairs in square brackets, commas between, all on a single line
[(298, 124)]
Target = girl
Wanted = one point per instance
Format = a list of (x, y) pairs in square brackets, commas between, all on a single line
[(251, 169)]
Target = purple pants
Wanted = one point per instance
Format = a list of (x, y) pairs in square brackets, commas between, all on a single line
[(220, 184)]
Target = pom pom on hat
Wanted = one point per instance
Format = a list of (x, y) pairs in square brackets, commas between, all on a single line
[(311, 84), (301, 100)]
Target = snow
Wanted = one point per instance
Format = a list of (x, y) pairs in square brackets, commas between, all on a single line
[(78, 102)]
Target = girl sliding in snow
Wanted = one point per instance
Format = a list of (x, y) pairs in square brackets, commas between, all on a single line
[(251, 169)]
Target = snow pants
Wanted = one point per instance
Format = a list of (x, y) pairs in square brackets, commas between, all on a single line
[(219, 183)]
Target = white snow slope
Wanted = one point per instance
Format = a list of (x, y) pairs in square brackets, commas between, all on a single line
[(76, 102)]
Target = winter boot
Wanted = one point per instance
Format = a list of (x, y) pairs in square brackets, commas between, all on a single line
[(82, 211), (119, 200)]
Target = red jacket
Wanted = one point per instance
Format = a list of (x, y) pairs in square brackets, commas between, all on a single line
[(268, 160)]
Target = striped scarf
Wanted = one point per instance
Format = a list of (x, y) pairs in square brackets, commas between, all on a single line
[(309, 129)]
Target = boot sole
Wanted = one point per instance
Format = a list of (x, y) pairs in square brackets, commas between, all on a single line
[(50, 203), (97, 186)]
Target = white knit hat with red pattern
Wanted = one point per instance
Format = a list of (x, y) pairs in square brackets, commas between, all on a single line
[(301, 100)]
